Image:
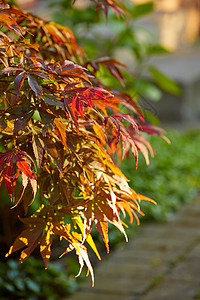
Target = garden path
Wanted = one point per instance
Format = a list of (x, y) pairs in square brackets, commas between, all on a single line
[(161, 263)]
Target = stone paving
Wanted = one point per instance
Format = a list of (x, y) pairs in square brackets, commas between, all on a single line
[(161, 263)]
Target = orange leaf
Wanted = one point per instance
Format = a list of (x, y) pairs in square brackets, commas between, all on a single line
[(9, 22), (61, 131)]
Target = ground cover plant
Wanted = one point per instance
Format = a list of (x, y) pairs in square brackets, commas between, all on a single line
[(173, 178), (60, 127), (31, 281)]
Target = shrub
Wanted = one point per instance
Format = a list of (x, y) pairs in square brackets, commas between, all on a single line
[(59, 129), (31, 281)]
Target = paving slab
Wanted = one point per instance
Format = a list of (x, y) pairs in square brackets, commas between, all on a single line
[(172, 290), (99, 296), (195, 252), (122, 286), (128, 277), (187, 270), (161, 262)]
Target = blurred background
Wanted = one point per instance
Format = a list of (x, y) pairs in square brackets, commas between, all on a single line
[(161, 47), (173, 24)]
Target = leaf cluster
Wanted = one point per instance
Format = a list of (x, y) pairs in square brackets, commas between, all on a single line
[(59, 129)]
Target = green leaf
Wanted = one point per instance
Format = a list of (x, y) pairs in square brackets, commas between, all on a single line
[(9, 287), (142, 9), (151, 118), (36, 115), (166, 83), (148, 89), (33, 286), (20, 284), (157, 49)]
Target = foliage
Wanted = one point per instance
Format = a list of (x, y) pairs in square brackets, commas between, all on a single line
[(59, 129), (30, 281), (130, 42), (172, 178)]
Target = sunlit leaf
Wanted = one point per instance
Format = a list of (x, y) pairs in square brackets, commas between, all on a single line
[(88, 237), (12, 164), (45, 245), (60, 129), (52, 151)]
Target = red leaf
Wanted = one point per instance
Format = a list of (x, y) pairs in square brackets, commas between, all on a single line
[(111, 64), (70, 112), (154, 130), (115, 5), (78, 105), (24, 167), (12, 164)]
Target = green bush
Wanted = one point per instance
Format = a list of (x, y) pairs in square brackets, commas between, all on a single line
[(31, 281), (173, 176)]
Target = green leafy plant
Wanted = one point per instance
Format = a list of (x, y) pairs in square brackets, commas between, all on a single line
[(172, 178), (30, 281), (59, 130)]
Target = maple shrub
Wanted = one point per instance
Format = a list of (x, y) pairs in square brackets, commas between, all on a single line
[(59, 129)]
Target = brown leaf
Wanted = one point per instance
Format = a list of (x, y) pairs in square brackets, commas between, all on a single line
[(28, 238), (52, 151), (61, 127), (45, 244), (37, 149), (18, 82), (34, 85)]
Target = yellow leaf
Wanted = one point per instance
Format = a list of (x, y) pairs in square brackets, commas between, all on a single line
[(99, 132), (89, 238), (89, 173)]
